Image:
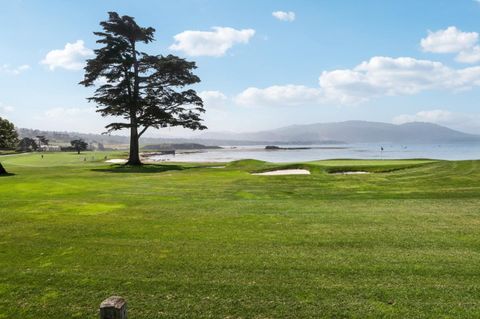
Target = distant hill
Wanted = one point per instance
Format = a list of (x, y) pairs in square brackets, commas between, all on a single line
[(116, 141), (352, 132), (324, 133)]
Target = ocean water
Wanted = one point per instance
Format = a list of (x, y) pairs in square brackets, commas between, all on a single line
[(458, 151)]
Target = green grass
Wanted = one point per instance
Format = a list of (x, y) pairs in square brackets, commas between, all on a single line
[(188, 241), (7, 152)]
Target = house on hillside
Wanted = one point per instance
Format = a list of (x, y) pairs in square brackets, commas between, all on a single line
[(49, 148)]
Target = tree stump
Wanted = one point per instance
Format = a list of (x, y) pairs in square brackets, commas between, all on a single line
[(2, 170), (113, 307)]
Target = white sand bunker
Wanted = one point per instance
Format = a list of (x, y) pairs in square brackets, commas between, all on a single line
[(351, 173), (285, 172), (116, 161)]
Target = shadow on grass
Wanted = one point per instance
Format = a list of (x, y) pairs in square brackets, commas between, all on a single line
[(146, 168), (6, 174)]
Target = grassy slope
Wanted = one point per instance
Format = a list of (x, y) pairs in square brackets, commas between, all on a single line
[(186, 241)]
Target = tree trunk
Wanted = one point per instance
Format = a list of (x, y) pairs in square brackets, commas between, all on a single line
[(2, 170), (134, 157)]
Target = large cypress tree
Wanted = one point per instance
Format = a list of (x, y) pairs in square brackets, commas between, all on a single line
[(147, 91)]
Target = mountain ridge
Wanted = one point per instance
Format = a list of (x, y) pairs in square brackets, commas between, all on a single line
[(345, 132), (354, 132)]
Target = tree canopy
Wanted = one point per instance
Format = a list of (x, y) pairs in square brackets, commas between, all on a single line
[(27, 144), (8, 134), (79, 145), (147, 91), (42, 140)]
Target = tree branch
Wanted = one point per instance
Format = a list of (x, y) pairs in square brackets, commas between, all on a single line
[(143, 131)]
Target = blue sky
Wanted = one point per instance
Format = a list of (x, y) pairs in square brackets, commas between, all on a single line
[(311, 61)]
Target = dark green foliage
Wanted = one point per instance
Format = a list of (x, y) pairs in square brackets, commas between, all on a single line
[(8, 134), (79, 145), (42, 140), (146, 90), (27, 144), (2, 170)]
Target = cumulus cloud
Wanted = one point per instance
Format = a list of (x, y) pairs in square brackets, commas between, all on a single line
[(390, 76), (450, 40), (284, 16), (453, 40), (7, 69), (213, 99), (279, 95), (71, 57), (382, 76), (456, 120), (210, 43), (379, 76), (469, 56)]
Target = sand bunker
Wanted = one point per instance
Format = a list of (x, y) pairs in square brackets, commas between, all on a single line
[(285, 172), (116, 161), (351, 173)]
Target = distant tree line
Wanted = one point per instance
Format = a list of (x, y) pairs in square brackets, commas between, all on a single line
[(100, 141), (9, 140), (27, 144), (66, 137)]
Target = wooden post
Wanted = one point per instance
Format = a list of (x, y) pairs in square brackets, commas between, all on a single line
[(113, 307)]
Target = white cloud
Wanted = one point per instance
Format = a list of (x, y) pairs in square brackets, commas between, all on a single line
[(101, 80), (279, 95), (213, 99), (388, 76), (450, 40), (284, 16), (6, 68), (466, 122), (71, 57), (6, 109), (379, 76), (453, 40), (210, 43), (469, 56)]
